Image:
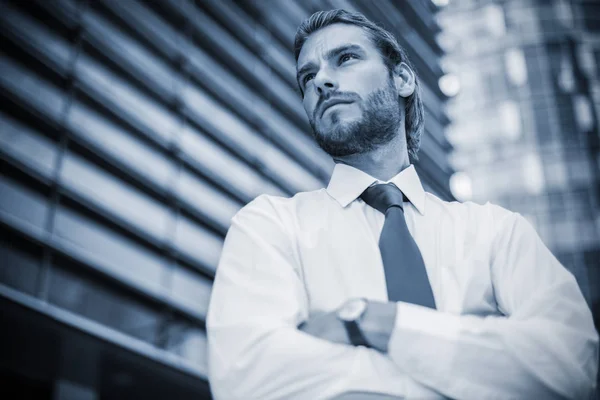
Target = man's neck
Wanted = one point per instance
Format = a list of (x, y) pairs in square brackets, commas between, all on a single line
[(382, 163)]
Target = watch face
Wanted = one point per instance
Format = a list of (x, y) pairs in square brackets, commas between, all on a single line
[(353, 310)]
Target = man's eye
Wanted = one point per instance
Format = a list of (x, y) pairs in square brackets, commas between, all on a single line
[(347, 57), (307, 77)]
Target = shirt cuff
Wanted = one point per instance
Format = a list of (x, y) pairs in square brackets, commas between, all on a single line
[(411, 342), (418, 334)]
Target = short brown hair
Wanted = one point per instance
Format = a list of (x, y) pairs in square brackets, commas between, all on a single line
[(392, 54)]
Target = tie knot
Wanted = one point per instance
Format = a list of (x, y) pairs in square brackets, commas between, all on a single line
[(383, 196)]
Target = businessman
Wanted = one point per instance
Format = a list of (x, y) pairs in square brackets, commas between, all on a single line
[(374, 288)]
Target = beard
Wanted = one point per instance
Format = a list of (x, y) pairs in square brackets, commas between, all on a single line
[(380, 122)]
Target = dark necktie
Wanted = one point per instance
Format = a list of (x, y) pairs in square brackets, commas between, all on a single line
[(405, 273)]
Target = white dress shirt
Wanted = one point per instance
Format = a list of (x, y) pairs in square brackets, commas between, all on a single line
[(511, 322)]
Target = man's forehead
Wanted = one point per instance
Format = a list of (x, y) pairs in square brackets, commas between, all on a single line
[(331, 37)]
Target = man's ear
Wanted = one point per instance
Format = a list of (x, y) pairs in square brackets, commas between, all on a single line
[(404, 80)]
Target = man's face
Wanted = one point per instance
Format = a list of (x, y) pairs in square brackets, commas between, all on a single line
[(349, 94)]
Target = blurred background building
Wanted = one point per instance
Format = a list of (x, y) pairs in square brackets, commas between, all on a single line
[(131, 132), (526, 74)]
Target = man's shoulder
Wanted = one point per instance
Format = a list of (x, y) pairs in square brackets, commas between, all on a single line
[(478, 225), (280, 206), (468, 210)]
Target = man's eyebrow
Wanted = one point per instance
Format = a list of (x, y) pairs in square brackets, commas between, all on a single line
[(330, 54), (307, 67)]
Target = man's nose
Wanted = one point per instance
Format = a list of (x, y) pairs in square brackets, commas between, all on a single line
[(324, 83)]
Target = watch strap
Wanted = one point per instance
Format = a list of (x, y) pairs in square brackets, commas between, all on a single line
[(355, 334)]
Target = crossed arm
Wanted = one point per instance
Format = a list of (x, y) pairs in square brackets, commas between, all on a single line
[(545, 346)]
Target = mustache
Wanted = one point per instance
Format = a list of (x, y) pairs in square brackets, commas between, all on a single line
[(343, 96)]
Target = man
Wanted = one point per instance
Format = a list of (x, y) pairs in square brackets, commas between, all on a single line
[(374, 290)]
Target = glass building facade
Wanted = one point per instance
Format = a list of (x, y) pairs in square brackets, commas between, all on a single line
[(525, 123), (131, 132)]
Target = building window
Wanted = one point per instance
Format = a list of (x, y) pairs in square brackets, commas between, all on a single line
[(533, 175), (23, 203), (191, 289), (96, 300), (21, 261), (590, 11), (198, 243), (110, 138), (516, 68), (511, 119), (555, 172), (583, 113), (111, 251), (31, 148), (187, 341), (112, 194), (494, 17)]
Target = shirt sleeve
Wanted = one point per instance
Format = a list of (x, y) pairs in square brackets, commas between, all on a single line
[(255, 350), (544, 347)]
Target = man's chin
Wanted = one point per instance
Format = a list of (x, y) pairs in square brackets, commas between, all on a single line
[(337, 129), (339, 118), (336, 137), (337, 150), (338, 146)]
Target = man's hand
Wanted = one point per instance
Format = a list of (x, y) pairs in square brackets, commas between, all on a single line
[(376, 324), (326, 326)]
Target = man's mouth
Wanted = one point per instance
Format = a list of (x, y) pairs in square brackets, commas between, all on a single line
[(333, 102)]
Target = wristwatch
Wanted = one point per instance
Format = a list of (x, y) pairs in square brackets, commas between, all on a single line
[(350, 313)]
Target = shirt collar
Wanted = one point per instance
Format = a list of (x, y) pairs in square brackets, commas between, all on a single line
[(347, 184)]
